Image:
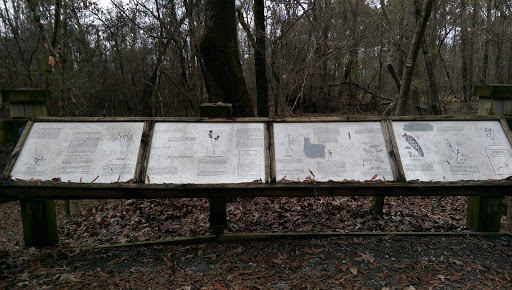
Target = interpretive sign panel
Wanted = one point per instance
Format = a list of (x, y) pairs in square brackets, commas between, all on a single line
[(331, 151), (201, 153), (100, 152), (453, 150)]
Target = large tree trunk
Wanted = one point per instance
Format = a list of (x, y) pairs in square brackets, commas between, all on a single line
[(260, 64), (403, 96), (219, 49)]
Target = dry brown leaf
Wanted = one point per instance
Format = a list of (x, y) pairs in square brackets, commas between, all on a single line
[(366, 257), (353, 270), (51, 61)]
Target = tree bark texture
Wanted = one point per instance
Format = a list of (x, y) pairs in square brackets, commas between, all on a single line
[(260, 63), (488, 21), (219, 50), (403, 97)]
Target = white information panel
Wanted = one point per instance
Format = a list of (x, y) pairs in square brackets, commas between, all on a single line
[(102, 152), (334, 151), (201, 153), (453, 150)]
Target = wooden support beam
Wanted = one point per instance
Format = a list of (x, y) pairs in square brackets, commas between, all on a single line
[(218, 218), (39, 223), (484, 213), (38, 216)]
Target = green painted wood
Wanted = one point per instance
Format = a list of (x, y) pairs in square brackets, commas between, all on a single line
[(493, 91), (484, 213), (490, 106), (509, 122), (216, 110), (10, 130), (39, 223), (27, 110), (26, 96)]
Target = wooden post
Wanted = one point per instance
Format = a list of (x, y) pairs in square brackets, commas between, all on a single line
[(217, 204), (38, 216), (484, 213)]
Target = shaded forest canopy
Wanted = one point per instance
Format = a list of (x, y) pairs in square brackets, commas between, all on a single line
[(142, 57)]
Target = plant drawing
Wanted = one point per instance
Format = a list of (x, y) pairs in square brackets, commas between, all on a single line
[(213, 140)]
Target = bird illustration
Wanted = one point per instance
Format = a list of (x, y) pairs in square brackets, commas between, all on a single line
[(414, 144)]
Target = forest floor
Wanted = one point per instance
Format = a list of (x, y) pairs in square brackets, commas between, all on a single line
[(349, 261)]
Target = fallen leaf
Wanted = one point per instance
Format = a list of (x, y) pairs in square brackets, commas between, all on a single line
[(51, 61), (116, 260), (67, 277), (353, 270), (366, 257)]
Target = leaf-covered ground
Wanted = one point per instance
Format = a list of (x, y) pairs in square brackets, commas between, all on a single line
[(121, 221), (338, 262)]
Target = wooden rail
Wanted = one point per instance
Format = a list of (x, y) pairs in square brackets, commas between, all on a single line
[(58, 190)]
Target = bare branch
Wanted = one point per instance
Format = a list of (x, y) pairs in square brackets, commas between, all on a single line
[(361, 88)]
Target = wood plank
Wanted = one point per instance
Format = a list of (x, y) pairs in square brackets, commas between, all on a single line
[(288, 235), (39, 223), (494, 91), (395, 153), (155, 119), (490, 106), (216, 110), (270, 159), (483, 91), (16, 152), (10, 130), (26, 96), (53, 190), (484, 213), (506, 129), (275, 120), (27, 110), (144, 150)]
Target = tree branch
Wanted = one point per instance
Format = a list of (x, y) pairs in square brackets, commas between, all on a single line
[(246, 27), (361, 88)]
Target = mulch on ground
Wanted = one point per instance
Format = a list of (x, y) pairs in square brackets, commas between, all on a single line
[(387, 261)]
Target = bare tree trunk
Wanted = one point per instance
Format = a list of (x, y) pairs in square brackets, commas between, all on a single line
[(466, 54), (403, 96), (433, 98), (488, 21), (260, 63), (499, 79), (219, 49), (377, 204)]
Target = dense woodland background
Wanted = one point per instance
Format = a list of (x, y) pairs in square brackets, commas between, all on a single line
[(142, 57)]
